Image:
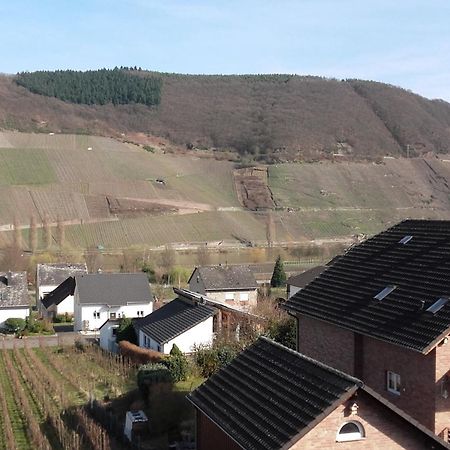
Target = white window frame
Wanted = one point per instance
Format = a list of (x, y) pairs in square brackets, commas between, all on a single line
[(393, 382), (346, 437), (229, 296), (243, 296)]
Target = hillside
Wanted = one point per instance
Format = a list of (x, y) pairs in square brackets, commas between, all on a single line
[(114, 195), (272, 117)]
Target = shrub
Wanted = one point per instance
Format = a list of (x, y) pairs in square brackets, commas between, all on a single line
[(284, 331), (126, 331), (14, 325), (210, 359), (137, 354), (177, 364), (38, 326), (279, 275), (151, 374)]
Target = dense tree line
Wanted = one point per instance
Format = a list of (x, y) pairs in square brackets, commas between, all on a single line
[(94, 87)]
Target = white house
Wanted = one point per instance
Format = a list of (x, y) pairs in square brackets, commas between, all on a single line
[(55, 284), (298, 282), (234, 285), (108, 333), (102, 296), (14, 300), (183, 321)]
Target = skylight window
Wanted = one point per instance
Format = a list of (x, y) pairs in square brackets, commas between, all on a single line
[(384, 293), (405, 239), (438, 305)]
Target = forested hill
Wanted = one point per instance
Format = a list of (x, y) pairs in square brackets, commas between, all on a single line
[(271, 117)]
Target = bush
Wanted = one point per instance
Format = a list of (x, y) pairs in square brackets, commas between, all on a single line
[(14, 325), (210, 359), (126, 331), (284, 332), (177, 364), (137, 354), (279, 275), (151, 374), (38, 326)]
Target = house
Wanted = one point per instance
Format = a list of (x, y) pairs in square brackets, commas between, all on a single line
[(14, 300), (108, 333), (270, 397), (103, 296), (55, 285), (234, 285), (230, 321), (382, 313), (297, 282), (185, 322)]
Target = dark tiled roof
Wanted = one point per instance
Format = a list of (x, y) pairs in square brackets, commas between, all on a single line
[(304, 278), (113, 288), (55, 297), (53, 274), (420, 271), (173, 319), (13, 290), (268, 394), (216, 278)]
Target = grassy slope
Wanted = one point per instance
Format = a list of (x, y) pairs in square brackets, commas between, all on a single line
[(58, 176)]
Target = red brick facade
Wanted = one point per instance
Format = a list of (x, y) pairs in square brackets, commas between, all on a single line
[(210, 436), (383, 429), (424, 380)]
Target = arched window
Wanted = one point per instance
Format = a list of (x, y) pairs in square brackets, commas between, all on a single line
[(350, 431)]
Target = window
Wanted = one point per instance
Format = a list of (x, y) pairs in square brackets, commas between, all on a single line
[(393, 382), (112, 315), (350, 431), (404, 240), (114, 331), (437, 305), (96, 315), (243, 296), (229, 296), (384, 292), (140, 313)]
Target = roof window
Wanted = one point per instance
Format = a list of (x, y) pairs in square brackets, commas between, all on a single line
[(405, 239), (438, 305), (384, 293)]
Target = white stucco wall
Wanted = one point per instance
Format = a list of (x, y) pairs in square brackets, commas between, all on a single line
[(292, 290), (107, 340), (66, 306), (85, 312), (8, 313), (201, 333), (45, 289)]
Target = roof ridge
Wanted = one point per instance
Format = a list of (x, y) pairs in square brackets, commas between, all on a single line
[(357, 381)]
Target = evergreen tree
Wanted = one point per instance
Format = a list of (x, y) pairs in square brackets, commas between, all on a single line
[(94, 87), (279, 275), (126, 332)]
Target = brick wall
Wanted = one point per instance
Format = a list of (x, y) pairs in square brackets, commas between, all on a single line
[(210, 436), (383, 429), (417, 372), (326, 343), (442, 405)]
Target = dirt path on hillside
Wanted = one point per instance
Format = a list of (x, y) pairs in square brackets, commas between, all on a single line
[(184, 207)]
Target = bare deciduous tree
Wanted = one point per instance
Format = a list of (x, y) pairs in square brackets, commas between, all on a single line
[(203, 256), (33, 235)]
